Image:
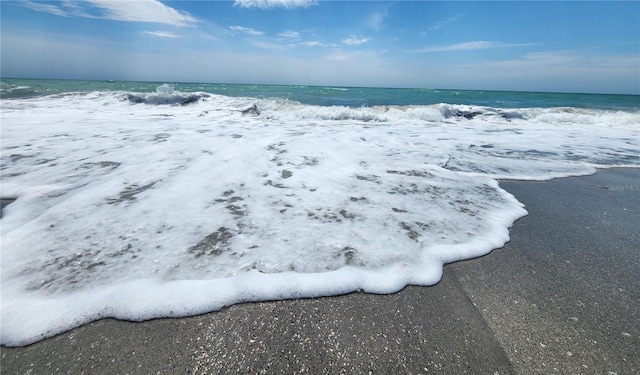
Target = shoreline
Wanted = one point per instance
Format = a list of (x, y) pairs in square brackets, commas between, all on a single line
[(560, 297)]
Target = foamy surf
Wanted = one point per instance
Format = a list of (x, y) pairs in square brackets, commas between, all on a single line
[(143, 205)]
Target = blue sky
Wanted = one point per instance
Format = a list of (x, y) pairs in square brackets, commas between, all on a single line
[(534, 46)]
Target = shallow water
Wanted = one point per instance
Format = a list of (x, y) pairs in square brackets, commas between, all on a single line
[(138, 205)]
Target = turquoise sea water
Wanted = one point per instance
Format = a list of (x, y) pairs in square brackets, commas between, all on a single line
[(334, 96)]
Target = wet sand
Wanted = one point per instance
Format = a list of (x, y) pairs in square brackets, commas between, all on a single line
[(562, 297)]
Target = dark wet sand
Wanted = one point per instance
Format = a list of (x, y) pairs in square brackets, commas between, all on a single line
[(562, 297)]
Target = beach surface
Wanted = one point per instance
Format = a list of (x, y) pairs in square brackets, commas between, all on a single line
[(562, 297)]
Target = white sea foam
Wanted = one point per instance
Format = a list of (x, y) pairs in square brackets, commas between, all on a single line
[(138, 206)]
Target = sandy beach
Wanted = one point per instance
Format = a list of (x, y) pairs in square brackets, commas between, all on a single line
[(563, 296)]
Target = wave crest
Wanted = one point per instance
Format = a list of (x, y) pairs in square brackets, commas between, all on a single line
[(286, 110), (165, 94)]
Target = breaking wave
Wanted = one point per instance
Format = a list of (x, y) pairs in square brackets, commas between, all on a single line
[(165, 94)]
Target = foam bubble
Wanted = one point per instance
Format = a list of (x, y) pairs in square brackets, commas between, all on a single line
[(153, 209)]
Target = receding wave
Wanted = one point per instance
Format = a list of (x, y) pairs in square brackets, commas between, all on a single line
[(169, 203)]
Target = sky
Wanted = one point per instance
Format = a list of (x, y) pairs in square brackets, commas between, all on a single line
[(499, 45)]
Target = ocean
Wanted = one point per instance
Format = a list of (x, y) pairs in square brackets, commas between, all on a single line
[(331, 96), (141, 200)]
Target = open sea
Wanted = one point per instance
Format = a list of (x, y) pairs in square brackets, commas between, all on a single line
[(140, 200)]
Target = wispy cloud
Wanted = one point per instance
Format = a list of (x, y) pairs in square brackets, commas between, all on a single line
[(46, 8), (151, 11), (246, 30), (161, 34), (475, 45), (567, 70), (353, 40), (339, 55), (441, 23), (314, 43), (143, 11), (469, 46), (265, 44), (377, 18), (267, 4), (573, 60), (289, 34)]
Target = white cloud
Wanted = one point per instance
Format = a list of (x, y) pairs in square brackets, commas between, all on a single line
[(353, 40), (246, 30), (82, 57), (289, 34), (267, 4), (161, 34), (313, 43), (469, 46), (143, 11), (151, 11), (480, 44)]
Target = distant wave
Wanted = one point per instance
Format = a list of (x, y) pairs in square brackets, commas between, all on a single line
[(276, 108), (165, 94), (164, 99), (286, 109), (289, 110), (352, 97), (8, 91)]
